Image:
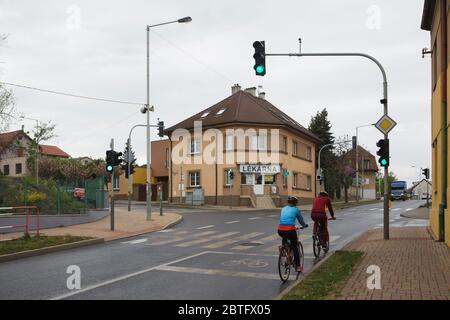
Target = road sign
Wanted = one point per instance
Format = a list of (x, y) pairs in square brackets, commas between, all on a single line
[(385, 124)]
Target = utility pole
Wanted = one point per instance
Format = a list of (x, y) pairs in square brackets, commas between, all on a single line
[(383, 101), (111, 192)]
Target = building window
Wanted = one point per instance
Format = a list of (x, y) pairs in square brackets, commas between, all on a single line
[(116, 185), (262, 143), (294, 180), (308, 182), (247, 179), (221, 111), (195, 146), (285, 180), (204, 115), (167, 158), (6, 169), (435, 66), (194, 178), (229, 142), (366, 164), (308, 152), (228, 181), (284, 144), (20, 152), (294, 148), (18, 168)]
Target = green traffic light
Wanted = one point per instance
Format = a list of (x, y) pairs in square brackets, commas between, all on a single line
[(109, 168), (383, 162), (259, 69)]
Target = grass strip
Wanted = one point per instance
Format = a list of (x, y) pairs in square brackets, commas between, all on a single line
[(325, 281), (34, 242)]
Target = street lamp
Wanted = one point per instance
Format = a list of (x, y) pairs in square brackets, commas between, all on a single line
[(357, 160), (37, 146), (147, 110)]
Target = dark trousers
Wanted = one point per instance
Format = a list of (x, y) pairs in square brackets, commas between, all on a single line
[(291, 235), (322, 218)]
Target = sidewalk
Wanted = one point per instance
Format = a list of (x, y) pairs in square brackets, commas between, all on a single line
[(126, 224), (419, 213), (412, 264)]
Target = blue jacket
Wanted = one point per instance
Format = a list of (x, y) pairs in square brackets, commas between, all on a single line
[(288, 215)]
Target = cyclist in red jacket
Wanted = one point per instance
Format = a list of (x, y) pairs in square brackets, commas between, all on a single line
[(319, 213)]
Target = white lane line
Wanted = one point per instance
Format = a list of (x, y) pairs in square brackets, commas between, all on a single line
[(409, 209), (176, 239), (231, 222), (194, 242), (372, 209), (348, 213), (254, 218), (231, 241), (206, 227), (396, 209), (273, 216), (226, 273), (135, 241), (124, 277)]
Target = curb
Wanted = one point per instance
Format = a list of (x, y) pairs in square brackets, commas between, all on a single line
[(36, 252), (302, 277)]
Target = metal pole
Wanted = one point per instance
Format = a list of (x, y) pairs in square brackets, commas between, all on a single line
[(160, 200), (384, 101), (148, 141), (428, 194), (357, 168), (128, 170), (111, 192), (37, 154)]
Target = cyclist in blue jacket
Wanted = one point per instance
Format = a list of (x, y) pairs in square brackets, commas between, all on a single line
[(286, 227)]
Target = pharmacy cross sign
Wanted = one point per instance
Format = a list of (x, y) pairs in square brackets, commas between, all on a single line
[(385, 124)]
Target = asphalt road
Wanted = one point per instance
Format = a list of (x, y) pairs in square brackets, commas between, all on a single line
[(210, 255)]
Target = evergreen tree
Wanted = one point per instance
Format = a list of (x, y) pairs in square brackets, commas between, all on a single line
[(321, 127)]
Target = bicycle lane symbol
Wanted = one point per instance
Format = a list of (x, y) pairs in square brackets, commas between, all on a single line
[(251, 263)]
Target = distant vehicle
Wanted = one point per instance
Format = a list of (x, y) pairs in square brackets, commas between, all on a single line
[(398, 190), (79, 193), (425, 196)]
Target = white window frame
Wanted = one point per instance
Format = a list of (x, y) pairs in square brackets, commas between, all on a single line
[(308, 152), (254, 143), (308, 182), (116, 183), (196, 175), (294, 148), (228, 181), (294, 179), (194, 146), (229, 142), (262, 142)]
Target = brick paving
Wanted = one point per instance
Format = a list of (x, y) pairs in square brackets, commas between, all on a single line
[(413, 266), (126, 224)]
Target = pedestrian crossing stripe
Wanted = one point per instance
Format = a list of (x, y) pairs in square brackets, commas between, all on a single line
[(231, 241), (177, 239), (198, 241)]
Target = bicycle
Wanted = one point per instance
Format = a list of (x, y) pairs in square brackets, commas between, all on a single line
[(318, 243), (286, 259)]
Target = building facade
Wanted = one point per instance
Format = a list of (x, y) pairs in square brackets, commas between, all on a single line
[(435, 20), (270, 154)]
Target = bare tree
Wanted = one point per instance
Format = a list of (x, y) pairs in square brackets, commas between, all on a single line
[(7, 102)]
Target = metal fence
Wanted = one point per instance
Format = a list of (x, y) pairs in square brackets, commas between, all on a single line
[(54, 197)]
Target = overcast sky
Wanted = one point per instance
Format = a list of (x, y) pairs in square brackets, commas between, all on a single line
[(98, 48)]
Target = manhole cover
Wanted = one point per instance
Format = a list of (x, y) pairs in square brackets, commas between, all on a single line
[(251, 244)]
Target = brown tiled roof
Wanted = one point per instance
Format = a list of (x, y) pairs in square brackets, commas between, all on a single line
[(243, 108), (363, 154), (52, 151), (8, 137)]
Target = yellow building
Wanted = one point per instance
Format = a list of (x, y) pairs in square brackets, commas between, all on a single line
[(434, 20), (270, 154)]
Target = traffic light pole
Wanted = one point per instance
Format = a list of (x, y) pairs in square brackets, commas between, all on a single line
[(384, 101), (129, 165), (111, 192)]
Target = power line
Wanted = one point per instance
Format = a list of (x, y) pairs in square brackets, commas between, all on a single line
[(70, 94)]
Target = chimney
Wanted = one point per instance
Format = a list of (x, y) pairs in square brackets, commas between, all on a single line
[(235, 88), (262, 95), (251, 90)]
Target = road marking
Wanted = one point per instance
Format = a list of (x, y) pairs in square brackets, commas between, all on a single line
[(254, 218), (124, 277), (226, 273), (135, 241), (231, 222), (409, 209), (176, 239), (274, 248), (194, 242), (231, 241), (372, 209), (206, 227), (348, 213), (273, 216), (396, 209)]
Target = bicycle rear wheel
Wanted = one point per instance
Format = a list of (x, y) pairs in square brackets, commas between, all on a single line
[(284, 267), (301, 254), (316, 246), (326, 247)]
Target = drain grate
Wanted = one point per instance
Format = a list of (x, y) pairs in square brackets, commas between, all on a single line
[(251, 244)]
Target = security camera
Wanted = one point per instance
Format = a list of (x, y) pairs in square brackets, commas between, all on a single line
[(144, 109)]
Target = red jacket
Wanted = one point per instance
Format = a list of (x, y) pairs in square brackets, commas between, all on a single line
[(320, 204)]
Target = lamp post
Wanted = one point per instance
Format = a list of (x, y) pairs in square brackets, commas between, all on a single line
[(37, 146), (357, 159), (147, 110)]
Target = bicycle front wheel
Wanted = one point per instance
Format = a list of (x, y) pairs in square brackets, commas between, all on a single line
[(316, 246), (301, 254), (284, 268)]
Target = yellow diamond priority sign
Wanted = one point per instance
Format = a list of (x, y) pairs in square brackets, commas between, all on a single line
[(385, 124)]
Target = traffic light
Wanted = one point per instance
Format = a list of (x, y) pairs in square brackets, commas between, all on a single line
[(353, 142), (124, 167), (231, 174), (260, 58), (383, 152), (161, 128), (426, 173), (112, 159)]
